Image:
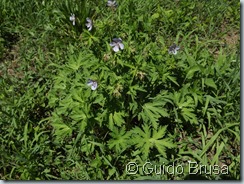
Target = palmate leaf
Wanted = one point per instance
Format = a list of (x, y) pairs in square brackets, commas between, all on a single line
[(152, 112), (188, 115), (133, 90), (116, 119), (119, 140), (61, 129), (141, 138), (147, 138)]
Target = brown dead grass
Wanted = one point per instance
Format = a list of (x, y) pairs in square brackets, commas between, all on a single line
[(232, 38), (11, 64)]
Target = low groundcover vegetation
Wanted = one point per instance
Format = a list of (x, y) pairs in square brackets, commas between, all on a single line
[(119, 90)]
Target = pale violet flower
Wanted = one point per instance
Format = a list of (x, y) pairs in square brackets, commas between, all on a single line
[(173, 49), (89, 24), (72, 18), (117, 44), (112, 3), (92, 84)]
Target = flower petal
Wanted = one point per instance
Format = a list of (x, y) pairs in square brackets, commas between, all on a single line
[(111, 3), (90, 28), (72, 17), (173, 49), (121, 45), (117, 40), (112, 44), (94, 86), (88, 19), (90, 82), (116, 48)]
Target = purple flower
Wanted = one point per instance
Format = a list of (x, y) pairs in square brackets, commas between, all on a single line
[(89, 24), (173, 49), (93, 84), (117, 44), (72, 18), (112, 3)]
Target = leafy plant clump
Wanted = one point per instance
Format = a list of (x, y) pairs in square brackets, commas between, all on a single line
[(120, 90)]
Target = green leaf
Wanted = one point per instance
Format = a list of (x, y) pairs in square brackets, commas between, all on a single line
[(173, 79), (147, 138), (210, 82), (120, 139), (61, 129), (162, 144), (110, 122), (142, 139), (191, 71), (215, 137), (152, 112), (220, 147), (25, 136), (189, 116), (155, 16), (116, 119)]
